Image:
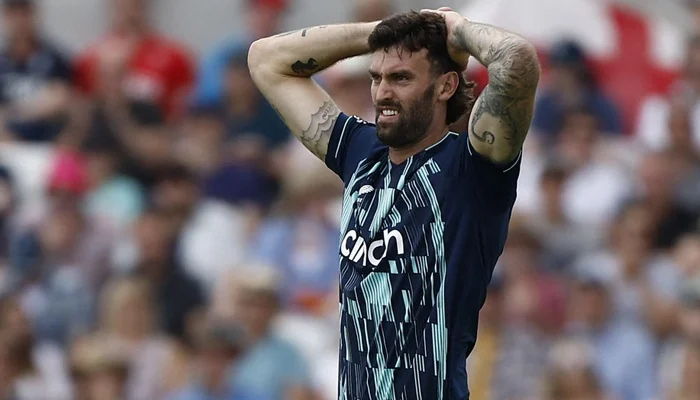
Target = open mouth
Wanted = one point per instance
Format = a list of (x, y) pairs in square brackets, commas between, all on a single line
[(387, 114)]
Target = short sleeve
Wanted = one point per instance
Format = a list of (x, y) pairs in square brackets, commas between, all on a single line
[(493, 186), (352, 140)]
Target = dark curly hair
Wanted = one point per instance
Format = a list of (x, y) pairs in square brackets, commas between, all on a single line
[(414, 31)]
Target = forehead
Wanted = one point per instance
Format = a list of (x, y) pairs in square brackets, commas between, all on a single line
[(396, 58)]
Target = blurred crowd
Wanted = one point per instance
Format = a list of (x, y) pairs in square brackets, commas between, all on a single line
[(163, 237)]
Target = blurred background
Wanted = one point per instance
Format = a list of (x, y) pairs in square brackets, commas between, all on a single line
[(163, 237)]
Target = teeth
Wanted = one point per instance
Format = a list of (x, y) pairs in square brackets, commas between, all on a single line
[(389, 112)]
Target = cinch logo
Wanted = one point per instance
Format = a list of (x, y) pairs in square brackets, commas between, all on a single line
[(356, 249)]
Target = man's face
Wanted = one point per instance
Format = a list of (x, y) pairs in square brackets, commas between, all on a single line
[(403, 92), (19, 21)]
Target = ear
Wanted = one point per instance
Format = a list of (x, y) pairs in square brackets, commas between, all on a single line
[(448, 85)]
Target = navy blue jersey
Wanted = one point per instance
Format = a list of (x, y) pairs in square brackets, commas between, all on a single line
[(419, 241)]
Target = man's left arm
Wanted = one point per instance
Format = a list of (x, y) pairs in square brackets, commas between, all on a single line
[(502, 114)]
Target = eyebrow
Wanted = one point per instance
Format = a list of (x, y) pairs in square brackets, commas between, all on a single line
[(402, 71)]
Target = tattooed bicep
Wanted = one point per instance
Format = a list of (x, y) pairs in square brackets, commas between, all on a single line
[(499, 123)]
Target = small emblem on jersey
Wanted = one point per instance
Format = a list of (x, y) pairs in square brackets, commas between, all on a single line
[(360, 120), (366, 189)]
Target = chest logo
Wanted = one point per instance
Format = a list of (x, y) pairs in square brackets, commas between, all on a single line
[(357, 250)]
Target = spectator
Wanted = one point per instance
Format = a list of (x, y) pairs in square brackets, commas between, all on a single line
[(562, 241), (302, 243), (571, 374), (102, 369), (129, 325), (247, 114), (508, 359), (271, 368), (264, 19), (580, 146), (8, 204), (112, 197), (658, 115), (680, 363), (77, 239), (135, 60), (686, 255), (658, 182), (41, 364), (139, 132), (571, 85), (35, 77), (645, 283), (177, 294), (624, 353), (210, 235), (219, 348), (536, 296)]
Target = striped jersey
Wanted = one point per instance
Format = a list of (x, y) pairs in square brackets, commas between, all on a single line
[(418, 244)]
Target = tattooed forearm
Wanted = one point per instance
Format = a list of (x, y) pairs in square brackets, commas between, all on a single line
[(501, 117), (305, 68), (317, 135), (303, 32), (504, 113), (511, 60)]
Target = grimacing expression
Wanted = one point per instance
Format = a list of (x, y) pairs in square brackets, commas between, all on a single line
[(403, 92)]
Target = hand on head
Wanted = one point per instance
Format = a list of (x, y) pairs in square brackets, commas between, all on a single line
[(452, 20)]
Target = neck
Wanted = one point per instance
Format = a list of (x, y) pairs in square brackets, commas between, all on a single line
[(435, 134)]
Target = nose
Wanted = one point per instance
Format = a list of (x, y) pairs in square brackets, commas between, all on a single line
[(383, 92)]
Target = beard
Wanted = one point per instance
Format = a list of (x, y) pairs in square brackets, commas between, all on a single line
[(412, 124)]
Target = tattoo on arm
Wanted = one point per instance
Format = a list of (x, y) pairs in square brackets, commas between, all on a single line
[(487, 137), (503, 112), (303, 33), (305, 68), (317, 135)]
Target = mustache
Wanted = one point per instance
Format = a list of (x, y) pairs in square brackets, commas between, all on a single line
[(389, 104)]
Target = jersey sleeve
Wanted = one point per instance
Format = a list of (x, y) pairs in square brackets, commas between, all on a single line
[(352, 140), (493, 186)]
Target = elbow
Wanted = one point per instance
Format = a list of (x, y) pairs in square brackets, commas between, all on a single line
[(257, 56), (263, 62), (528, 62), (516, 72)]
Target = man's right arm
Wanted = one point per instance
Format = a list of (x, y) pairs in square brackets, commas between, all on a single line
[(282, 65)]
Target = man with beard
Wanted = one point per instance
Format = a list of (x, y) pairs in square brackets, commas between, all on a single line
[(426, 210)]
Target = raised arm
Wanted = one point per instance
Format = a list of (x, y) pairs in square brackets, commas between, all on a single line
[(502, 114), (282, 65)]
